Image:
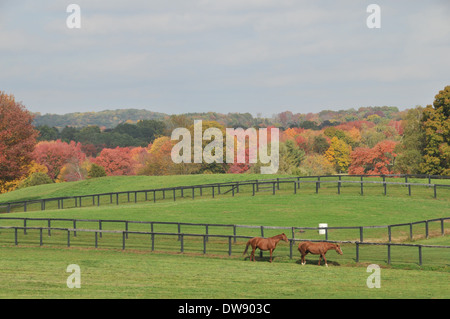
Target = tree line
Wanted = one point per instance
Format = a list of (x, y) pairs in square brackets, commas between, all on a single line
[(371, 141)]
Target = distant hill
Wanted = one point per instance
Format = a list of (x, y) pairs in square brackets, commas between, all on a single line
[(111, 118), (107, 118)]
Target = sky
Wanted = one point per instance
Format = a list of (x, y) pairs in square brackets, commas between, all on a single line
[(257, 56)]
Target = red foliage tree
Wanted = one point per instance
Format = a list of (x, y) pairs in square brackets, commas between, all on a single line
[(17, 138), (116, 161), (56, 154), (376, 160)]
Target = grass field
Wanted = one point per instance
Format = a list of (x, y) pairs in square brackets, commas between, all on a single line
[(30, 271)]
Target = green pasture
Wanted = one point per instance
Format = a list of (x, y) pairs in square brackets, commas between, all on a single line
[(41, 273), (32, 271)]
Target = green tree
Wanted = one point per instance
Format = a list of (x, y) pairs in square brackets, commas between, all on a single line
[(411, 148), (96, 171), (436, 124)]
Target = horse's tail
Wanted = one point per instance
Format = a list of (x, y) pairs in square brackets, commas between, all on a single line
[(246, 247)]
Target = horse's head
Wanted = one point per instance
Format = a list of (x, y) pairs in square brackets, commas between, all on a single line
[(338, 249), (284, 237)]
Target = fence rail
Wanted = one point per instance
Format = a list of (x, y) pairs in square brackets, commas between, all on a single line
[(221, 189), (230, 239), (206, 227)]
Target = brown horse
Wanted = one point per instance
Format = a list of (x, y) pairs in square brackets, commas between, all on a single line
[(320, 248), (264, 244)]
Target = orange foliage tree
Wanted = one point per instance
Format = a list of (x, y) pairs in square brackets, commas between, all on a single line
[(373, 161)]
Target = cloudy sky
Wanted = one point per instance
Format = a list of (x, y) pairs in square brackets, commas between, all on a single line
[(257, 56)]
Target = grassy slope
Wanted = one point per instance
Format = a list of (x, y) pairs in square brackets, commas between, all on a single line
[(40, 272)]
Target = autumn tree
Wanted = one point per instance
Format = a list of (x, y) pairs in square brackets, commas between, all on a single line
[(17, 139), (116, 161), (339, 154), (436, 125), (56, 154), (378, 160)]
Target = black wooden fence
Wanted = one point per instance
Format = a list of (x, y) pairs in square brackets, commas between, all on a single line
[(229, 238), (221, 188), (205, 228)]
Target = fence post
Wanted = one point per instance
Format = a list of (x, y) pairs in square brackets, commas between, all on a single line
[(385, 187), (361, 234), (317, 187), (74, 227), (435, 191), (273, 191), (410, 231), (68, 238), (442, 227), (123, 240), (253, 187), (100, 226), (295, 187), (234, 233), (229, 245), (290, 248), (362, 186), (420, 255), (357, 252), (389, 254), (204, 244), (153, 241), (193, 192), (174, 196), (15, 237), (389, 233), (40, 236), (409, 189), (96, 240), (339, 186), (181, 243), (426, 229)]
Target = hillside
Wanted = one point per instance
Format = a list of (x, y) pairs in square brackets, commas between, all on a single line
[(111, 118)]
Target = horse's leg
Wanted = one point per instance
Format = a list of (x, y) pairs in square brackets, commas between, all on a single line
[(320, 258), (253, 253), (303, 259), (325, 259), (271, 250)]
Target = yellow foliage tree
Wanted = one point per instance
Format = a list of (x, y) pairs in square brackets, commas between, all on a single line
[(339, 154)]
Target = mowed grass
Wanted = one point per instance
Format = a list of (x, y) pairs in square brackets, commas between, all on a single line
[(30, 271), (41, 273)]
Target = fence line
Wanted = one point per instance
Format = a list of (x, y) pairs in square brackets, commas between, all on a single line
[(222, 188), (181, 237), (234, 227)]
